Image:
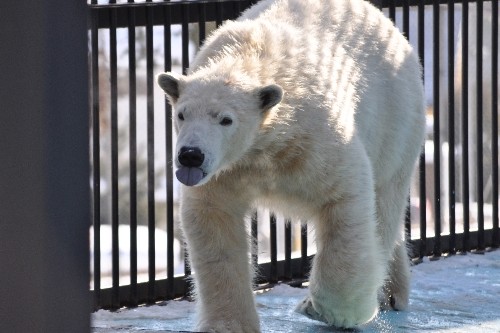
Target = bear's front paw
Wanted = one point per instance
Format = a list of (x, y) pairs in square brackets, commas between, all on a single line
[(341, 318), (228, 326)]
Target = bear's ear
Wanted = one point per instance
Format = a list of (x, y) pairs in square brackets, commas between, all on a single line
[(170, 82), (269, 96)]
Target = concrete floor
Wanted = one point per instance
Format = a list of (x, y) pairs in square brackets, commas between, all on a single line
[(458, 294)]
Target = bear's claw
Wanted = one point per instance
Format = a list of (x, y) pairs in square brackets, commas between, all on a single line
[(306, 308)]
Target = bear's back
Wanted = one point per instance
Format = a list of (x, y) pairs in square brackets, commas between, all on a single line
[(305, 41), (345, 70)]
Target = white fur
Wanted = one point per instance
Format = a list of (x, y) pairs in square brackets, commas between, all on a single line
[(338, 150)]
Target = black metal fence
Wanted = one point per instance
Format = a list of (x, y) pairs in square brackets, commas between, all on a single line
[(137, 254)]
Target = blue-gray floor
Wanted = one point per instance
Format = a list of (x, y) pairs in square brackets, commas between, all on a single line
[(455, 294)]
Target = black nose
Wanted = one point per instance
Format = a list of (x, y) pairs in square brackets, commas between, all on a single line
[(191, 157)]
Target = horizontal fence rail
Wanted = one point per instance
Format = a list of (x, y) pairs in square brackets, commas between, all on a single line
[(138, 255)]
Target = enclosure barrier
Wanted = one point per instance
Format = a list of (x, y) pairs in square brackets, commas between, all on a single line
[(453, 203)]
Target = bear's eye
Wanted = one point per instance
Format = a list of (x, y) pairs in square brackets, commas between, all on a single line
[(180, 116), (226, 121)]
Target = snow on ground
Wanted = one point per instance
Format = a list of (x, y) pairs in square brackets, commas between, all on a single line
[(458, 294)]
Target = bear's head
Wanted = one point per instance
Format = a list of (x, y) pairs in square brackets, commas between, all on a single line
[(216, 120)]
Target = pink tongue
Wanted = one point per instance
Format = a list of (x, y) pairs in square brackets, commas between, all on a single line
[(189, 176)]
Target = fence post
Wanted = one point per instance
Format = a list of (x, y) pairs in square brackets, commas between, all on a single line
[(44, 168)]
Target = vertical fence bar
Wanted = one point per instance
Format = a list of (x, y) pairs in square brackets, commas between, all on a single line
[(150, 156), (436, 130), (219, 14), (133, 299), (406, 32), (114, 161), (406, 19), (392, 10), (167, 42), (422, 206), (288, 249), (237, 7), (185, 39), (96, 161), (494, 120), (236, 10), (273, 276), (231, 10), (202, 22), (407, 220), (422, 187), (185, 66), (479, 124), (451, 125), (304, 263), (255, 240), (465, 124)]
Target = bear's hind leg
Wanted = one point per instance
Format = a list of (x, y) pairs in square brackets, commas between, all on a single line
[(391, 204), (396, 291)]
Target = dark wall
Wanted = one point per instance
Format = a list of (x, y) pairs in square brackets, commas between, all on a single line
[(44, 176)]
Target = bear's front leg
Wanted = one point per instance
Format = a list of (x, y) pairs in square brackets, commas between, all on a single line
[(348, 269), (217, 242)]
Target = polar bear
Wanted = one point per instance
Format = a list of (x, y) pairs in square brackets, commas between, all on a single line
[(313, 109)]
